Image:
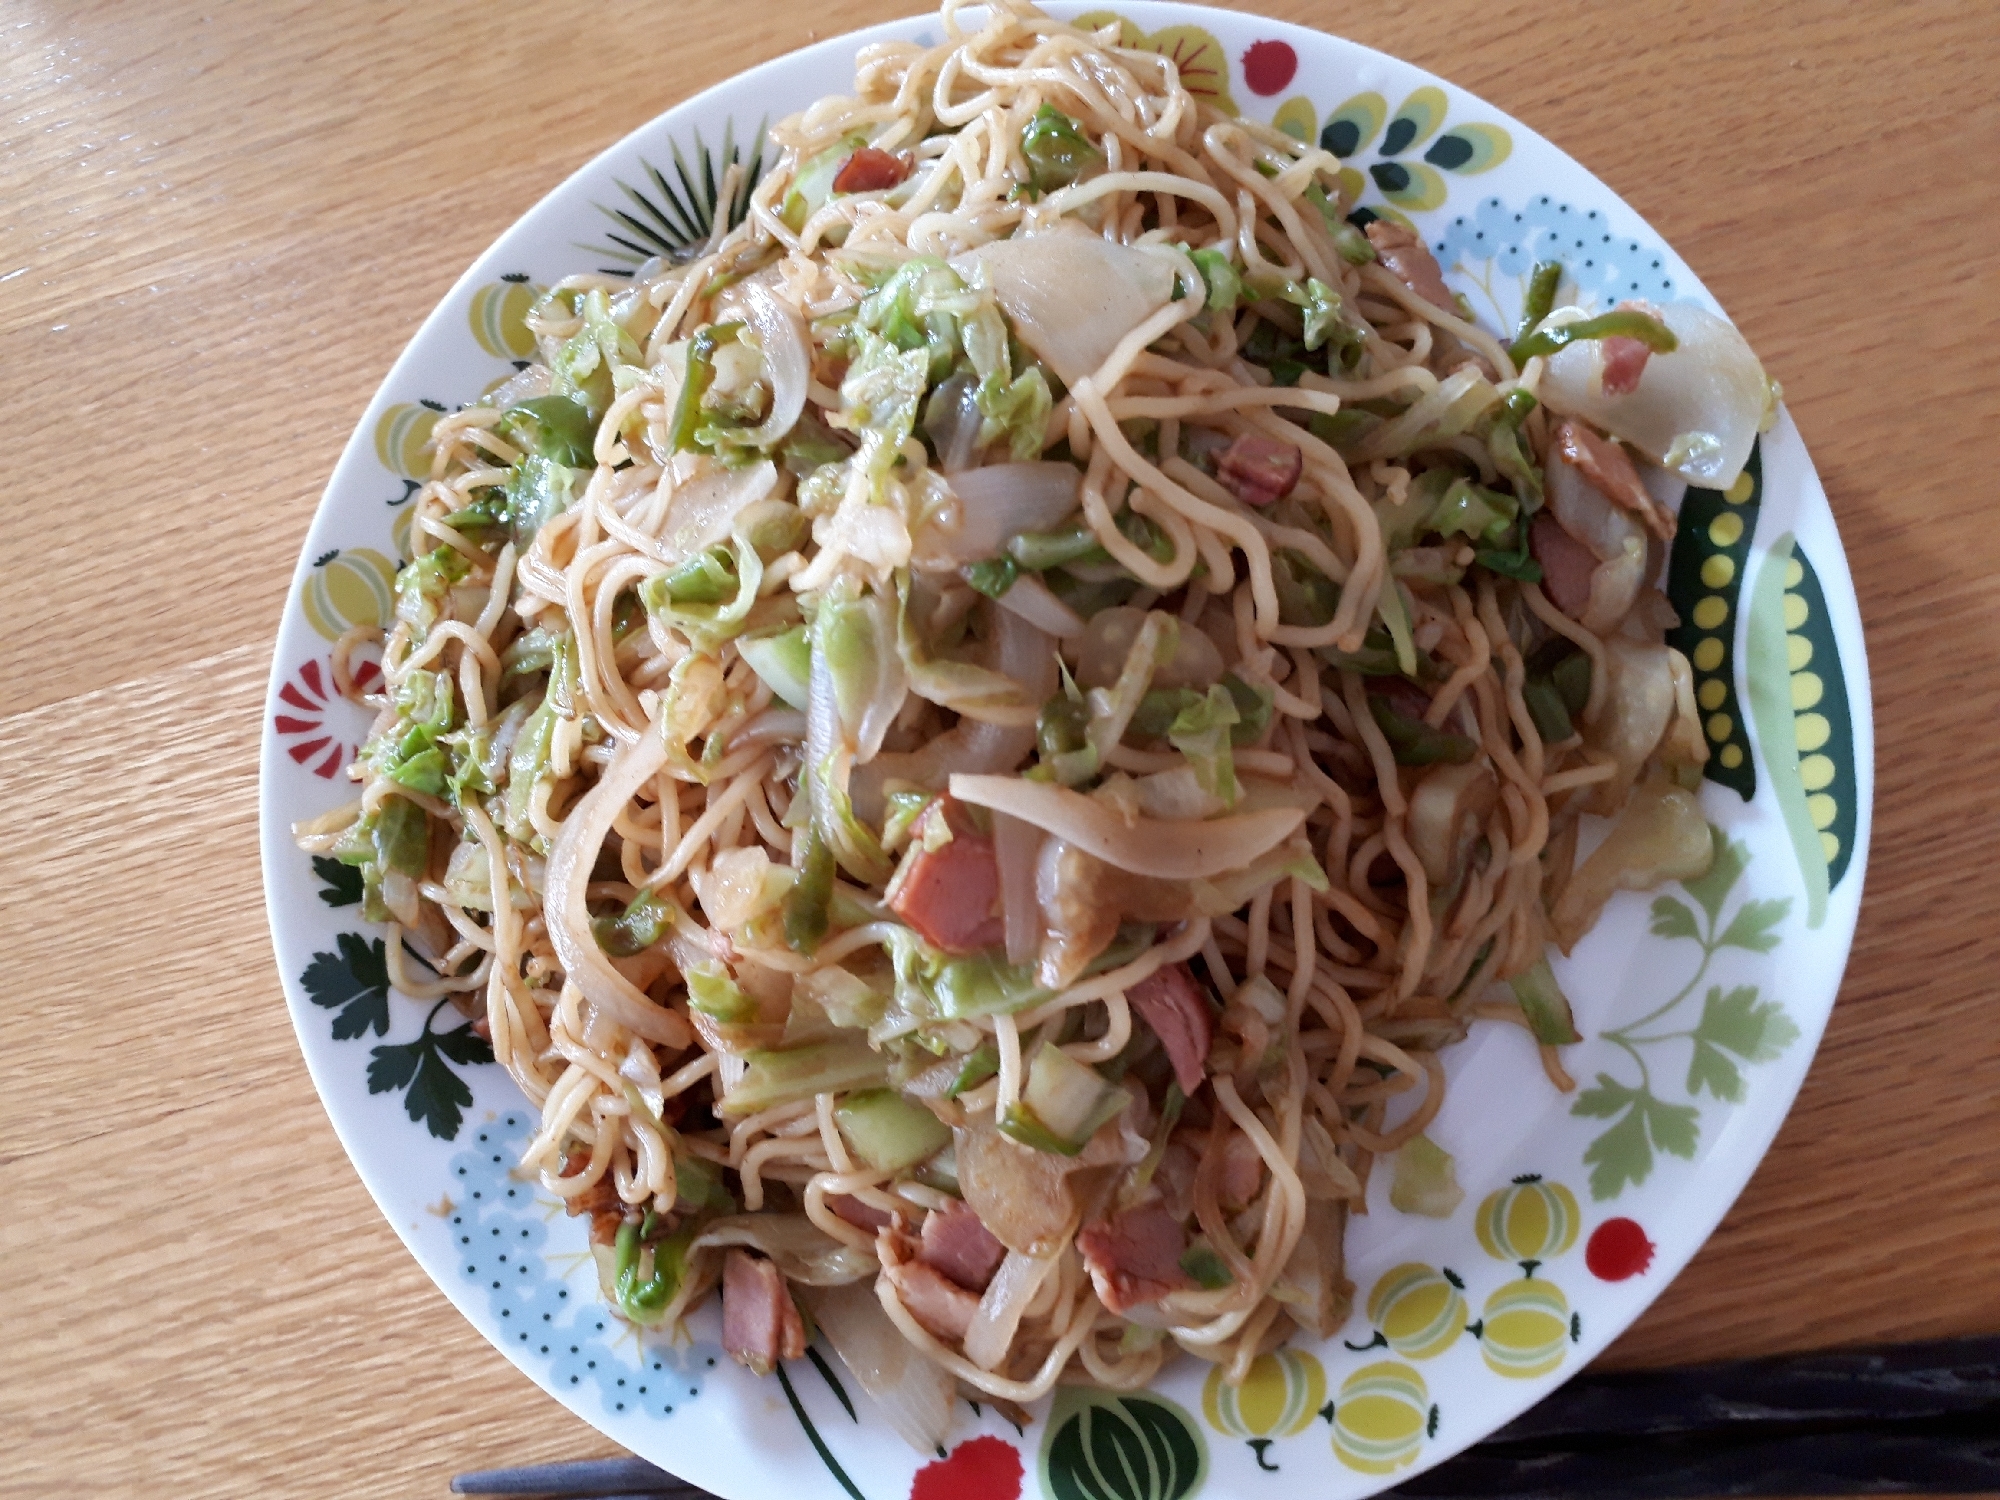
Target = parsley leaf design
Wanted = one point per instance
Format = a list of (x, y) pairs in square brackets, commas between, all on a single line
[(1712, 889), (1736, 1029), (1751, 926), (1623, 1156), (340, 885), (1672, 919), (436, 1097), (356, 982)]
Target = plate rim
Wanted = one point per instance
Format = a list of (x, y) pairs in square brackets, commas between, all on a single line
[(1723, 1175)]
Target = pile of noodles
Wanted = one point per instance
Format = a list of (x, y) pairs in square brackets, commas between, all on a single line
[(672, 768)]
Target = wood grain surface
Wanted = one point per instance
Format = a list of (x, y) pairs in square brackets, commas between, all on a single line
[(218, 226)]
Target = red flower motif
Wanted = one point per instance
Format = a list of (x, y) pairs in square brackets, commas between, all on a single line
[(1618, 1250), (1269, 66), (310, 692), (981, 1468)]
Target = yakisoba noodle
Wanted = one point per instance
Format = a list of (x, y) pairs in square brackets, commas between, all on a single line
[(972, 741)]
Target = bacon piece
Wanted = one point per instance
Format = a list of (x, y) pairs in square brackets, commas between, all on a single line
[(1135, 1257), (1175, 1175), (933, 1298), (760, 1322), (861, 1215), (1610, 472), (1624, 362), (869, 171), (950, 894), (600, 1197), (1566, 565), (1242, 1171), (1169, 1001), (1260, 470), (956, 1242), (1410, 260)]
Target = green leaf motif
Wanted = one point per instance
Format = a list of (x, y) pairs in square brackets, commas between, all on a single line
[(1754, 1030), (1712, 889), (437, 1097), (340, 885), (355, 981), (1623, 1156), (1672, 919), (1711, 1068), (1751, 926), (1619, 1158)]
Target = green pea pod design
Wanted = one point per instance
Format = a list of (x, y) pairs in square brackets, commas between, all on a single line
[(1798, 699), (1704, 578)]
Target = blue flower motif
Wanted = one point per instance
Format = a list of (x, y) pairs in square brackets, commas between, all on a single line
[(535, 1269), (1603, 266)]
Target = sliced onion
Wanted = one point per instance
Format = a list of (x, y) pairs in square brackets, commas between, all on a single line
[(1004, 500), (707, 498), (805, 1253), (1071, 295), (1660, 835), (1638, 703), (1021, 1195), (586, 965), (1107, 642), (914, 1394), (781, 335), (1172, 849), (1016, 649), (1696, 410), (1007, 1297), (1587, 515), (1031, 600), (1614, 587), (1447, 812), (956, 425), (1016, 846)]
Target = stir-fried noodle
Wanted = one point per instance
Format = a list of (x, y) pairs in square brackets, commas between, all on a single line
[(973, 742)]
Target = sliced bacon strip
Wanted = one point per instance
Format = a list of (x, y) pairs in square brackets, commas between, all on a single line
[(1624, 362), (950, 894), (760, 1322), (1610, 472), (1566, 565), (1169, 1001), (1242, 1171), (956, 1242), (943, 1306), (1135, 1257), (1410, 260), (861, 1215), (1260, 470), (870, 170)]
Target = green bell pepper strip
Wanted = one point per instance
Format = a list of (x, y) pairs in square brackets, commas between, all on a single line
[(1620, 322)]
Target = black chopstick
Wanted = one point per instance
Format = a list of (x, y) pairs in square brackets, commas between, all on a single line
[(582, 1479), (1903, 1382), (1907, 1419), (1700, 1465)]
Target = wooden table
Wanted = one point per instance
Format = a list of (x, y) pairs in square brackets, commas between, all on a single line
[(218, 226)]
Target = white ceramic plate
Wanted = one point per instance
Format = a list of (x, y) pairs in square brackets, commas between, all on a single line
[(1702, 1006)]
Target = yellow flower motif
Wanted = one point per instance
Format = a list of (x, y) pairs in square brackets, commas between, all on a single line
[(1203, 64), (1411, 182)]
